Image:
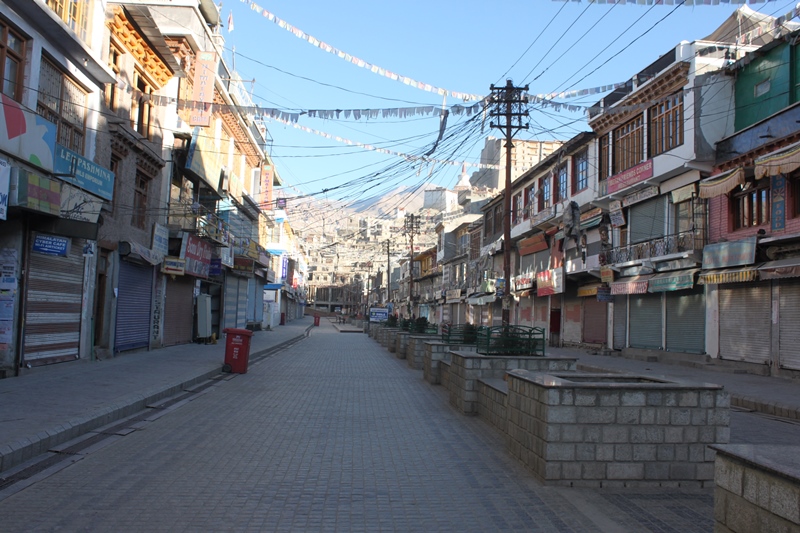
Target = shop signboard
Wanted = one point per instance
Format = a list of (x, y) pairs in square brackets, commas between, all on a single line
[(51, 245), (173, 265), (197, 254), (378, 314), (629, 177), (84, 173)]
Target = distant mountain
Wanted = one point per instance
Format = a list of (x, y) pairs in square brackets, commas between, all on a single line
[(387, 204)]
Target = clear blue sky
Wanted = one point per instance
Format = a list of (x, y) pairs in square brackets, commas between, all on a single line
[(460, 46)]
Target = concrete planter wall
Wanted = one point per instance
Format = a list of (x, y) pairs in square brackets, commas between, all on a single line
[(492, 396), (401, 344), (391, 341), (435, 352), (415, 351), (615, 430), (388, 334), (757, 488), (466, 368)]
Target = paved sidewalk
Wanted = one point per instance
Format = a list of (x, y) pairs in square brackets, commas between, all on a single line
[(50, 405)]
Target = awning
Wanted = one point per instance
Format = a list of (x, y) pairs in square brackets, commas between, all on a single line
[(672, 281), (482, 300), (631, 285), (782, 268), (589, 290), (780, 161), (273, 286), (721, 183), (592, 222), (728, 275)]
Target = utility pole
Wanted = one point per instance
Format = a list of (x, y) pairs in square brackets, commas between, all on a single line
[(411, 228), (388, 270), (509, 107)]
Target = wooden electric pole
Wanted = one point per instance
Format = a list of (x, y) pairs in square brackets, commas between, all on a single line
[(411, 228), (509, 107), (388, 270)]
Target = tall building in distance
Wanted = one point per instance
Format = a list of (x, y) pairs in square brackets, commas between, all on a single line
[(524, 156)]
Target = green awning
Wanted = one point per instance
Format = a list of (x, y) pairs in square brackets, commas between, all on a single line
[(672, 281)]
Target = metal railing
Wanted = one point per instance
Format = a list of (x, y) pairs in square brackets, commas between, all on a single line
[(686, 241)]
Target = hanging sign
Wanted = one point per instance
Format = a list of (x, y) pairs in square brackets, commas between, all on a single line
[(173, 265), (615, 213)]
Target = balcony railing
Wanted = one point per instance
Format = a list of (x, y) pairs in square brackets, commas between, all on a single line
[(686, 241)]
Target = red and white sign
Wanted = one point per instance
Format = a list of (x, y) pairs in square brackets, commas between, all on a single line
[(205, 70), (197, 254), (629, 177)]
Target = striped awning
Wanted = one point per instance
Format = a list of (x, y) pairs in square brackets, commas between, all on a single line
[(631, 285), (589, 290), (782, 268), (721, 183), (672, 281), (728, 275), (780, 161)]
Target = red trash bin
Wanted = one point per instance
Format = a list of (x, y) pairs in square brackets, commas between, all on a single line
[(237, 350), (316, 320)]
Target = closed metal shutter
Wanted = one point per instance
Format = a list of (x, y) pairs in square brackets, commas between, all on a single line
[(686, 321), (251, 300), (744, 322), (647, 220), (572, 328), (789, 340), (259, 297), (620, 321), (133, 306), (231, 305), (446, 313), (540, 312), (179, 311), (595, 320), (53, 306), (646, 324), (241, 309)]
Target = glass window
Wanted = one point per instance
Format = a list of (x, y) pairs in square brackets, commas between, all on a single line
[(140, 105), (75, 13), (666, 124), (580, 172), (544, 193), (63, 102), (12, 59), (629, 144), (560, 185), (751, 205), (139, 218)]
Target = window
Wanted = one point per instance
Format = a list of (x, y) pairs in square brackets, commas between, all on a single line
[(114, 167), (63, 102), (751, 205), (544, 193), (75, 13), (580, 171), (628, 144), (498, 219), (560, 185), (112, 92), (666, 125), (488, 226), (139, 217), (12, 59), (528, 201), (603, 167), (140, 105), (516, 208), (683, 217)]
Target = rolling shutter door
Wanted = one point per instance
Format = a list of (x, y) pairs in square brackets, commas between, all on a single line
[(540, 312), (251, 300), (235, 301), (53, 306), (179, 311), (647, 220), (133, 306), (645, 321), (595, 320), (620, 321), (241, 309), (789, 341), (744, 322), (686, 321)]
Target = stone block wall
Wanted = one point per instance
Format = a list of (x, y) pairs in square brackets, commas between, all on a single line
[(467, 367), (387, 335), (492, 394), (444, 374), (757, 488), (435, 352), (617, 430), (391, 340), (415, 351), (401, 344)]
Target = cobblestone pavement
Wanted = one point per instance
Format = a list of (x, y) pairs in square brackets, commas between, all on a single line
[(332, 434)]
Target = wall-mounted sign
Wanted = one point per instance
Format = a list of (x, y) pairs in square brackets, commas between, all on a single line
[(629, 177), (205, 70), (197, 254), (5, 183), (84, 173), (778, 191), (35, 192), (452, 296), (27, 135), (243, 265), (640, 196), (549, 282), (604, 294), (524, 282), (615, 213), (204, 158), (173, 265), (79, 205), (160, 239), (51, 245), (606, 274), (730, 254), (215, 268)]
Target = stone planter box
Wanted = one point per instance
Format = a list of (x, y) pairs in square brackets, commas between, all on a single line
[(466, 368), (435, 352), (492, 400), (391, 340), (599, 430), (388, 334), (757, 488), (415, 351), (401, 344)]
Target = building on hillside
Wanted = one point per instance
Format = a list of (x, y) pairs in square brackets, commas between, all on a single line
[(524, 155)]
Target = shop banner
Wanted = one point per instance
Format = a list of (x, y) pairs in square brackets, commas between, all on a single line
[(51, 245), (197, 254), (173, 265), (84, 173)]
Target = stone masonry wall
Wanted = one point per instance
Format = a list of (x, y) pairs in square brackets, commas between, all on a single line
[(492, 397), (630, 434), (467, 367), (757, 489), (436, 351), (401, 344), (415, 351)]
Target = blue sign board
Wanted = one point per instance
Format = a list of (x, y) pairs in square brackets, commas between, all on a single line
[(730, 254), (84, 173), (216, 267), (51, 245), (378, 314)]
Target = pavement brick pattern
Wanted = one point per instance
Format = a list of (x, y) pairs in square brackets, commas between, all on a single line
[(332, 434)]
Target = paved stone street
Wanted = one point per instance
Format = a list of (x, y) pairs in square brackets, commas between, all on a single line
[(333, 434)]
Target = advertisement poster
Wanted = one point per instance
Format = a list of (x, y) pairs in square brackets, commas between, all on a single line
[(5, 183)]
